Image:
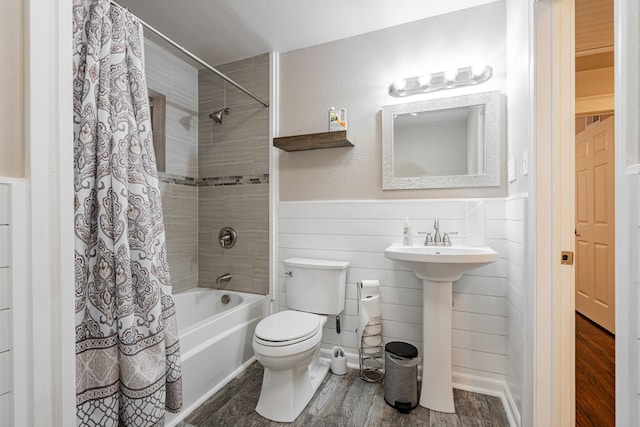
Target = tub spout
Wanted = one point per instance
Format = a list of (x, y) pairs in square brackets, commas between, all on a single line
[(223, 278)]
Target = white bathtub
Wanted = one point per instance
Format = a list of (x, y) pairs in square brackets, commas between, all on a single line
[(215, 341)]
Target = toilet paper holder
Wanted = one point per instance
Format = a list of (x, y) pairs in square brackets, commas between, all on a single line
[(371, 348)]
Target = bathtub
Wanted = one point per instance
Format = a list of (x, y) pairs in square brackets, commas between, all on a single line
[(215, 341)]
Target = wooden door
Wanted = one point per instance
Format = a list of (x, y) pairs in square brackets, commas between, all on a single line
[(595, 284)]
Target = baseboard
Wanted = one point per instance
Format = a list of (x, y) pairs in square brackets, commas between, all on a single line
[(490, 387)]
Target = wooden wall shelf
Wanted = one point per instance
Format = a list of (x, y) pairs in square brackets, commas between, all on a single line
[(313, 141)]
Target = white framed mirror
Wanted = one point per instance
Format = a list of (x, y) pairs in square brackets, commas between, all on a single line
[(452, 142)]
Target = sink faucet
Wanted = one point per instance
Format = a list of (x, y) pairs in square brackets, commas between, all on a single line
[(437, 238)]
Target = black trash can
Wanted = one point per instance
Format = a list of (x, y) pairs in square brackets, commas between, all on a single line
[(401, 376)]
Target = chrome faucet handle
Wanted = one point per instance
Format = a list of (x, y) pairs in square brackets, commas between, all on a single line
[(446, 238), (428, 240)]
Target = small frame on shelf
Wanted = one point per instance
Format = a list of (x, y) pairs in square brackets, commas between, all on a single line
[(313, 141)]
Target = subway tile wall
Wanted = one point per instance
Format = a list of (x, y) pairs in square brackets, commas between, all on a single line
[(233, 177), (358, 232)]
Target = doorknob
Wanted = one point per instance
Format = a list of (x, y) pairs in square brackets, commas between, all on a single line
[(576, 233)]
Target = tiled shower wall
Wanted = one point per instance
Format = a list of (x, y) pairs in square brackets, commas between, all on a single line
[(216, 175), (233, 184), (178, 81)]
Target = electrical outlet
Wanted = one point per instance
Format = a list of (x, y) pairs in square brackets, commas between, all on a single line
[(511, 170), (525, 162)]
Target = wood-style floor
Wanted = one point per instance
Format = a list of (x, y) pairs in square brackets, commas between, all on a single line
[(341, 401), (595, 375)]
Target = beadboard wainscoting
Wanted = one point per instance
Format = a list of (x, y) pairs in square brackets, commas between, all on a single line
[(358, 232)]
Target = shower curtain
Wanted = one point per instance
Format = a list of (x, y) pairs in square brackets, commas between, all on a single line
[(127, 351)]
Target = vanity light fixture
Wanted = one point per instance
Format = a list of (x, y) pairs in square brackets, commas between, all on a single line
[(441, 80)]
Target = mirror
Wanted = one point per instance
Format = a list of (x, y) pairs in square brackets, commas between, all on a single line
[(450, 142)]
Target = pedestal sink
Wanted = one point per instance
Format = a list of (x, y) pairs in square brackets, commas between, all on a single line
[(438, 266)]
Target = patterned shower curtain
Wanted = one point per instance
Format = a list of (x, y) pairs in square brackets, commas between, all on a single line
[(127, 352)]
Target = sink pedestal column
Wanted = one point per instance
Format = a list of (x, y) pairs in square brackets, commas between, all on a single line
[(437, 390)]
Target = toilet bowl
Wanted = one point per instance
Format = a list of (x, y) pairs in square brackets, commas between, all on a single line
[(293, 368), (287, 343)]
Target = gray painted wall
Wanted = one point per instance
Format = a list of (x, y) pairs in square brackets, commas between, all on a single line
[(355, 73)]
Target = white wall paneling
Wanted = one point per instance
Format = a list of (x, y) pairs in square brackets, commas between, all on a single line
[(358, 231), (516, 225), (5, 372), (4, 245), (5, 409), (5, 330), (6, 314), (5, 288)]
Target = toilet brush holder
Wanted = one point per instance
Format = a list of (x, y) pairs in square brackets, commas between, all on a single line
[(338, 361)]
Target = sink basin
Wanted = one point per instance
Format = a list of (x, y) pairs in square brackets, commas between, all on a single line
[(441, 263), (438, 267)]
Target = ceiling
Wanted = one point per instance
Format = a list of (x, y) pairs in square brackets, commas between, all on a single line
[(221, 31), (594, 34)]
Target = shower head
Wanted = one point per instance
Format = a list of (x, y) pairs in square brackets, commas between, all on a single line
[(217, 115)]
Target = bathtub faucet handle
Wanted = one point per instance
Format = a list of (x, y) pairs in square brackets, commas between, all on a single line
[(227, 237), (288, 273)]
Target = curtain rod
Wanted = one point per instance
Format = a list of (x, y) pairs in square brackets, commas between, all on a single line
[(194, 57)]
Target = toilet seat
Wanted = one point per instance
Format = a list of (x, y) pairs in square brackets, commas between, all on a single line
[(287, 327)]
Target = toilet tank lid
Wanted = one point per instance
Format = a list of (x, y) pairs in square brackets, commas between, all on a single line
[(320, 264)]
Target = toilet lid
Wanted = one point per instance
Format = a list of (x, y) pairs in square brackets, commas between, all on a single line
[(287, 326)]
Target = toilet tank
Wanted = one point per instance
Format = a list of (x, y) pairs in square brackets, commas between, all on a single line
[(315, 285)]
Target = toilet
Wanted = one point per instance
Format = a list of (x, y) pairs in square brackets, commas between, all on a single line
[(287, 343)]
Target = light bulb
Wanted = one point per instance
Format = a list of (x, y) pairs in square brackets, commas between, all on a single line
[(450, 75), (424, 79), (400, 84), (478, 69)]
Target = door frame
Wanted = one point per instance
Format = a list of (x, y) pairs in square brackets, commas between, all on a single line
[(552, 212), (48, 381), (627, 214), (554, 298)]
